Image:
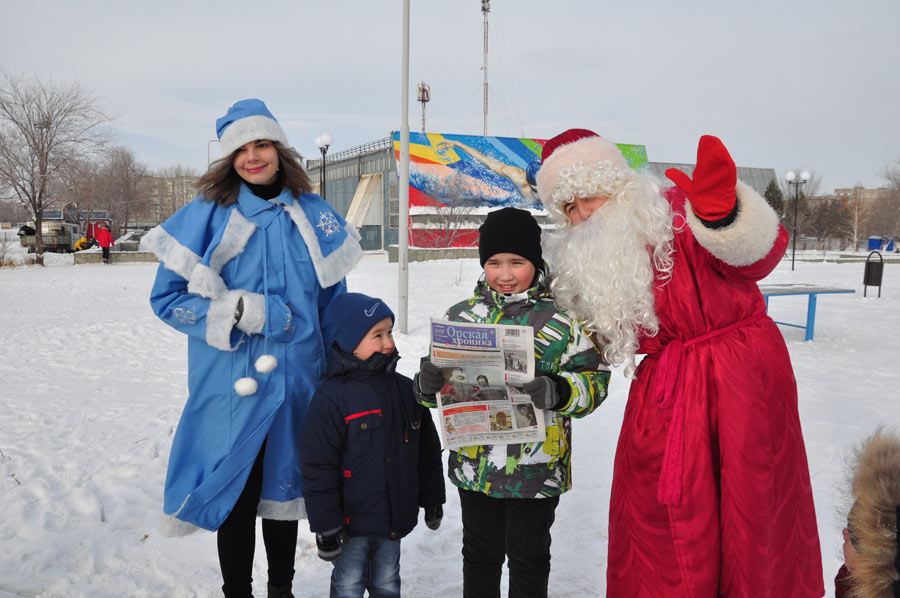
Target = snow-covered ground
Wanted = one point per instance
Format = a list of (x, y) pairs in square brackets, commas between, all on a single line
[(92, 385)]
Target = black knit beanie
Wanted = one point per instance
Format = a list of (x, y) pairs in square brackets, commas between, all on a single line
[(510, 230)]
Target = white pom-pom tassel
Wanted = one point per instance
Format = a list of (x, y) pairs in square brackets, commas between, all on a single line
[(266, 363), (245, 386)]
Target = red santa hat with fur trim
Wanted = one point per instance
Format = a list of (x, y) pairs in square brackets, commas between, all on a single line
[(571, 148)]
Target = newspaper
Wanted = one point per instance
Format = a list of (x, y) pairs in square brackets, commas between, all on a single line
[(484, 366)]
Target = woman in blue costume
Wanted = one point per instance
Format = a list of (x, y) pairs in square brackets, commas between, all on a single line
[(248, 270)]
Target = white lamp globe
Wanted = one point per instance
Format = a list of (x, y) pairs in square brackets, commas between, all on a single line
[(324, 140)]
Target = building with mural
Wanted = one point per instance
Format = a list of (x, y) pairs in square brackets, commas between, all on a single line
[(454, 181)]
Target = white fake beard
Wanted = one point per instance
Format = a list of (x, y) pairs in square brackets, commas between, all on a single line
[(603, 270)]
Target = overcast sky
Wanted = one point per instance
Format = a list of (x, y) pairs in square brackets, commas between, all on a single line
[(785, 84)]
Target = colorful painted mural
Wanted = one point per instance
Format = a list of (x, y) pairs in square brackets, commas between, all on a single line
[(468, 174)]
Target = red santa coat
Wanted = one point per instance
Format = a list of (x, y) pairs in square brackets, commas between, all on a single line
[(723, 445)]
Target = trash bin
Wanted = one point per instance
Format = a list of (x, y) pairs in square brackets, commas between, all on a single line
[(873, 272)]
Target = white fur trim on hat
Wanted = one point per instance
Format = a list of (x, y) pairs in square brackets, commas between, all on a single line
[(250, 128), (587, 151)]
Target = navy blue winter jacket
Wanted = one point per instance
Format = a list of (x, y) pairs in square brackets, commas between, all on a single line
[(370, 455)]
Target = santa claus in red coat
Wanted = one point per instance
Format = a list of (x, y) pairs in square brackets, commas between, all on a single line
[(710, 493)]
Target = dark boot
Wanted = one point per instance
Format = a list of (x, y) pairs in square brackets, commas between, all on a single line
[(233, 595), (280, 592)]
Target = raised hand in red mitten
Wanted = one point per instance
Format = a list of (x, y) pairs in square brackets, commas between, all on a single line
[(712, 190)]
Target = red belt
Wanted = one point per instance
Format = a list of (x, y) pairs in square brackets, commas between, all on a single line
[(668, 392)]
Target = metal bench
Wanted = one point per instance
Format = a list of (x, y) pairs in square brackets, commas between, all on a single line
[(770, 290)]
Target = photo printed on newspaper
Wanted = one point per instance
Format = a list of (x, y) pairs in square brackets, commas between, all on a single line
[(484, 366)]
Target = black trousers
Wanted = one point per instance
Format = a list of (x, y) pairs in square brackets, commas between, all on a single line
[(236, 540), (497, 528), (105, 251)]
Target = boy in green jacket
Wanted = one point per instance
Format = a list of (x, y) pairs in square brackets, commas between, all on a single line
[(508, 493)]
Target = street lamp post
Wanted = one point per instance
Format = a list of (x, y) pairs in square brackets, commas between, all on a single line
[(791, 178), (323, 141)]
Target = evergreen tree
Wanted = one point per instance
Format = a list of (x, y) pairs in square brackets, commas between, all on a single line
[(775, 197)]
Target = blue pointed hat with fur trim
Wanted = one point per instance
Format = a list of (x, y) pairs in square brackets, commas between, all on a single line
[(246, 121)]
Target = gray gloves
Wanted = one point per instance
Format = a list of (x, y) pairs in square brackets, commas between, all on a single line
[(544, 394), (329, 543), (429, 378)]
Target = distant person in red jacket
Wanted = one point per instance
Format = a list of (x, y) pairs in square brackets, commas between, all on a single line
[(105, 240)]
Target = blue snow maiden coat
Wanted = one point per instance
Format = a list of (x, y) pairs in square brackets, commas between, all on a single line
[(287, 260), (371, 455)]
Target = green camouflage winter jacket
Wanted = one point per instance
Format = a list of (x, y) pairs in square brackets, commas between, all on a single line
[(561, 346)]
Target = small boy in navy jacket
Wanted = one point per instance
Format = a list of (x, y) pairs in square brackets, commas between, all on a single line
[(369, 454)]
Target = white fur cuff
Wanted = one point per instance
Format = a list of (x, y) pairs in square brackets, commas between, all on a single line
[(253, 317), (746, 240), (220, 320)]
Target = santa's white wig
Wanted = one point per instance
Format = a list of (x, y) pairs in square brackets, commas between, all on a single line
[(605, 268)]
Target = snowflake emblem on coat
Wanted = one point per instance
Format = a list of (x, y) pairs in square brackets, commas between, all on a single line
[(185, 315), (328, 223)]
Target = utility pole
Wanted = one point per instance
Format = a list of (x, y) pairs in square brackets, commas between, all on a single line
[(403, 172), (485, 9)]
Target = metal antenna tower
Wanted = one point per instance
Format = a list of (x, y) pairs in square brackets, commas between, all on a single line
[(424, 96)]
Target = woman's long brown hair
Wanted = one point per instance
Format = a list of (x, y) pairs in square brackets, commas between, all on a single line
[(222, 183)]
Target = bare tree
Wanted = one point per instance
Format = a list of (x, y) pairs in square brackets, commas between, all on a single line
[(44, 127), (857, 216), (891, 174), (12, 211), (87, 185), (885, 211), (884, 216), (123, 195), (824, 220)]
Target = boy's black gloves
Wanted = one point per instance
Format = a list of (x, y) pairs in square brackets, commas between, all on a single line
[(544, 392), (433, 516), (429, 378), (329, 543)]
